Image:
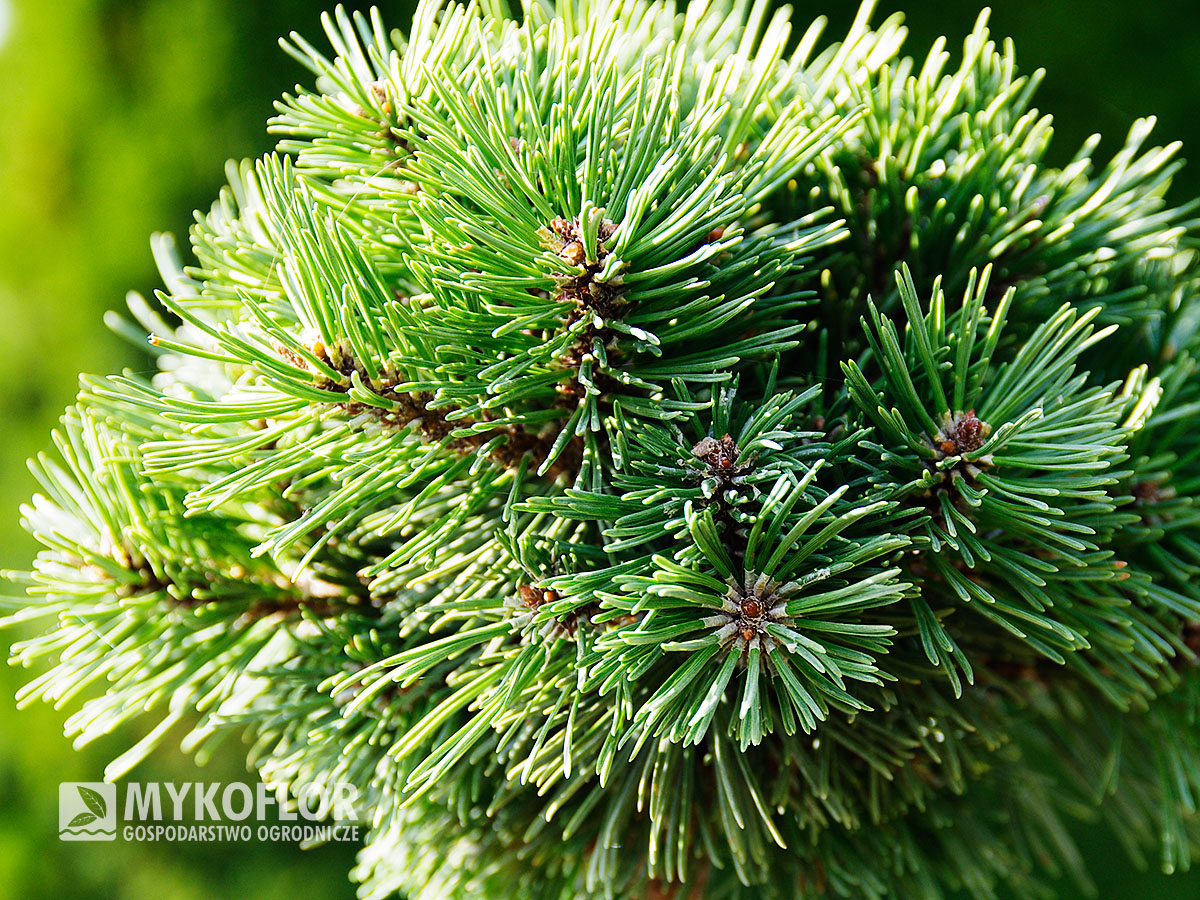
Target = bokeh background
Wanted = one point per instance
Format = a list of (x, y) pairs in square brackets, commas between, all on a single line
[(116, 117)]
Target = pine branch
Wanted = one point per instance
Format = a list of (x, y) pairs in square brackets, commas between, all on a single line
[(650, 461)]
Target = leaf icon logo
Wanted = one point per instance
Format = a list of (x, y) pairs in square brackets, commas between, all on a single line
[(94, 802), (87, 812)]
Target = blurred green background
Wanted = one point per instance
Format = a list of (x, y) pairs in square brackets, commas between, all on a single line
[(116, 117)]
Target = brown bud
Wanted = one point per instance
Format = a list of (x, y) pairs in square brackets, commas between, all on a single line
[(530, 596), (573, 253), (969, 432)]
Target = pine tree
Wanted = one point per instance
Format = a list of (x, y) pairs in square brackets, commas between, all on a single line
[(654, 457)]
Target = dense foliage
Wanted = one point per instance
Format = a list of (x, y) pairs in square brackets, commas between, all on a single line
[(653, 459)]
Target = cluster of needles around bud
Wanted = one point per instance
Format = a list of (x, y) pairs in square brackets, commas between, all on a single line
[(961, 435), (720, 458), (748, 609), (958, 437), (592, 302), (530, 599)]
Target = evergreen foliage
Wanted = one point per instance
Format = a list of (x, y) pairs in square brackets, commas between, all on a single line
[(654, 457)]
